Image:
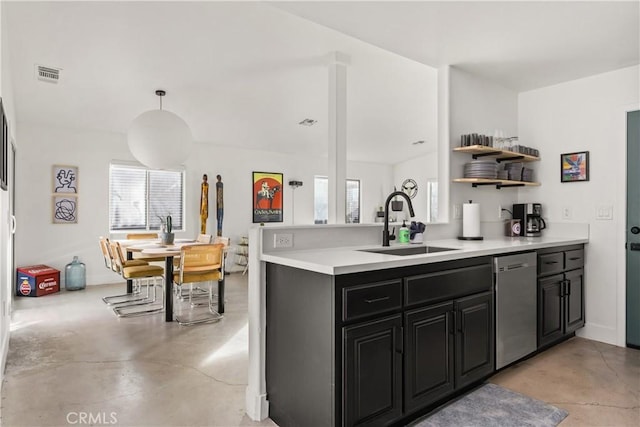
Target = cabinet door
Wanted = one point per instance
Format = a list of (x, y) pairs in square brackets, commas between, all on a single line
[(574, 300), (428, 355), (372, 362), (475, 341), (550, 309)]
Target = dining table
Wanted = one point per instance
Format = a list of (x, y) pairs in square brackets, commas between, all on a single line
[(154, 249)]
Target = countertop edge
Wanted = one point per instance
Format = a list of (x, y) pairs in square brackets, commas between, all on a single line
[(320, 260)]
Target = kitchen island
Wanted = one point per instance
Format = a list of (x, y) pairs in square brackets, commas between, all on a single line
[(351, 337)]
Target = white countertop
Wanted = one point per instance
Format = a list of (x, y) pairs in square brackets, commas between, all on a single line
[(350, 259)]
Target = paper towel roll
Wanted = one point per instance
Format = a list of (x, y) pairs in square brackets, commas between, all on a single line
[(470, 220)]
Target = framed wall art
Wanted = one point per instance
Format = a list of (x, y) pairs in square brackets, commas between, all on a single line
[(574, 167), (65, 179), (65, 209), (267, 198)]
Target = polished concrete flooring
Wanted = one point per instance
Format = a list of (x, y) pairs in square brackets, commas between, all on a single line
[(70, 357), (598, 384)]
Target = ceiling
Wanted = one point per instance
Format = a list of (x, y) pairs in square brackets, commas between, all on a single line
[(245, 73)]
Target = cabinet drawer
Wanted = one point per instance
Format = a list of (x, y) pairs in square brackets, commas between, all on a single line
[(448, 284), (372, 298), (550, 263), (573, 259)]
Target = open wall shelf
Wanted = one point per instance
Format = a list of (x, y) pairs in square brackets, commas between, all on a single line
[(478, 151), (499, 183)]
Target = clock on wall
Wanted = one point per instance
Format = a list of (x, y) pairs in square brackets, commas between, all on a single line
[(410, 187)]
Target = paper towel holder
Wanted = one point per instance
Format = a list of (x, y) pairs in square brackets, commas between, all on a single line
[(470, 238)]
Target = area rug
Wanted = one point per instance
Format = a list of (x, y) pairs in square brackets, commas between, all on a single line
[(494, 406)]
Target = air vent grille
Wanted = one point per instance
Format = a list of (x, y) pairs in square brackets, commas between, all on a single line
[(48, 74)]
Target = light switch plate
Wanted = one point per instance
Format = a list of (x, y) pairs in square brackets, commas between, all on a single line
[(604, 212), (567, 213), (457, 211)]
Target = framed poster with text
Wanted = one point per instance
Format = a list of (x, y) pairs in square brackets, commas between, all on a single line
[(267, 197)]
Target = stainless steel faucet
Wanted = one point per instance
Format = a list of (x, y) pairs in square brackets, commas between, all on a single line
[(385, 232)]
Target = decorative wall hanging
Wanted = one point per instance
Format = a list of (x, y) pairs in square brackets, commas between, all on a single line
[(4, 149), (267, 197), (219, 203), (574, 166), (204, 204), (65, 179), (410, 187), (65, 209)]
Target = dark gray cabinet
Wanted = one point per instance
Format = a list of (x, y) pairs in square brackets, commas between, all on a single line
[(375, 348), (560, 293), (474, 338), (429, 357), (373, 372), (447, 347)]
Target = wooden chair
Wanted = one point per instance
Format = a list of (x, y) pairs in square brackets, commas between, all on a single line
[(203, 238), (141, 274), (201, 263), (111, 263)]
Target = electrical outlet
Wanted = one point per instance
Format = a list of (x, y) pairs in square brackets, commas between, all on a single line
[(457, 211), (283, 240), (566, 213), (503, 213)]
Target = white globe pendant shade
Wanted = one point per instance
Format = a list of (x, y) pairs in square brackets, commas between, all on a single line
[(159, 139)]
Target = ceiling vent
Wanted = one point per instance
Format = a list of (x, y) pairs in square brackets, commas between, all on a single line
[(48, 74)]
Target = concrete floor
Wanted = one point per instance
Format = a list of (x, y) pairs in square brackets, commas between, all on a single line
[(598, 384), (69, 355)]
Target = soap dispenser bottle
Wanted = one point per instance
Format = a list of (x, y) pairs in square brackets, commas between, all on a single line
[(403, 234)]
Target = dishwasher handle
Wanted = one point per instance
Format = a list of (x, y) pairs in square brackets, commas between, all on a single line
[(517, 266)]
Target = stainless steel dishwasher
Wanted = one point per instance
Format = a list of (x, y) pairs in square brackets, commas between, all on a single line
[(516, 307)]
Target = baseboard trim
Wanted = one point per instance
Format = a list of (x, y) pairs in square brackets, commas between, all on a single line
[(601, 333), (257, 405)]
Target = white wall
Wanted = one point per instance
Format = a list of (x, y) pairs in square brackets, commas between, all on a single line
[(421, 169), (586, 115), (6, 275), (92, 151), (479, 106)]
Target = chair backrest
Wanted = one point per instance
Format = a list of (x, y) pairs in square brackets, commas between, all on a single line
[(113, 262), (142, 236), (226, 241), (204, 238), (118, 256), (104, 242), (201, 258)]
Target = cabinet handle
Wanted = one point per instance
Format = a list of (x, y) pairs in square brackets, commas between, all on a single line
[(568, 288), (574, 259), (551, 262), (452, 322), (399, 339), (369, 301), (562, 285)]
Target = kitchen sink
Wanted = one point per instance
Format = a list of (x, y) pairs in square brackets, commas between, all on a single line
[(411, 250)]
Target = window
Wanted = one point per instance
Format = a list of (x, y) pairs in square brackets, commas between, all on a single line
[(432, 200), (138, 197), (353, 202), (321, 200)]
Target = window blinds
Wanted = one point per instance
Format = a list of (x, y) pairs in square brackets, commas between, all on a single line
[(138, 197)]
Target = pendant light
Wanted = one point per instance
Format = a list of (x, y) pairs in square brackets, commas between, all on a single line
[(159, 139)]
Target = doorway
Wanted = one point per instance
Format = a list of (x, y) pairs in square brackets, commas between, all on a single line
[(632, 245)]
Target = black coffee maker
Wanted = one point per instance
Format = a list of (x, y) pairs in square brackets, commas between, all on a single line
[(530, 216)]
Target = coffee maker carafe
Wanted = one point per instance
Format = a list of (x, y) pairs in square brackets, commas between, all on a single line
[(530, 216)]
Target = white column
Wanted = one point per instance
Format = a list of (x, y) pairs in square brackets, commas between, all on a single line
[(337, 136)]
